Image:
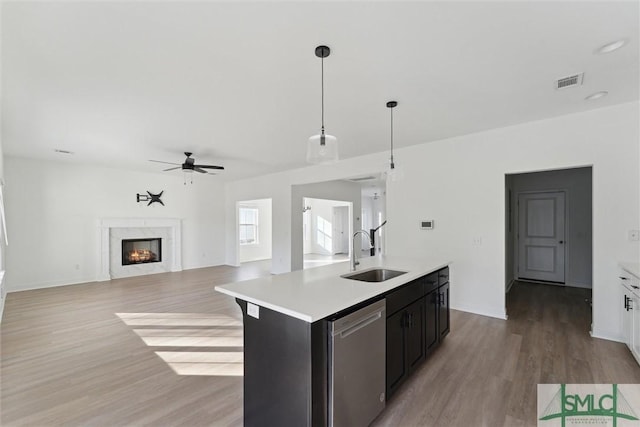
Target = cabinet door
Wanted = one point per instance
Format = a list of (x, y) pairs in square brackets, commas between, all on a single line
[(443, 309), (396, 359), (431, 321), (635, 327), (627, 317), (415, 335)]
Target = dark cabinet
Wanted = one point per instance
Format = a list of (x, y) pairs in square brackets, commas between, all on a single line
[(414, 332), (432, 331), (443, 310), (397, 368), (417, 320), (405, 343)]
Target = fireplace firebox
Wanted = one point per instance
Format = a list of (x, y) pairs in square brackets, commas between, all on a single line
[(141, 251)]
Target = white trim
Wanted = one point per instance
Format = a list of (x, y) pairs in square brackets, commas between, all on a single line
[(509, 285), (481, 311), (607, 336), (106, 224)]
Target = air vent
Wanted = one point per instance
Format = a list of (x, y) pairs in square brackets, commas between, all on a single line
[(57, 150), (363, 178), (565, 82)]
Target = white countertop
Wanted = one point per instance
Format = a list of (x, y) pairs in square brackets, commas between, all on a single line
[(316, 293), (631, 267)]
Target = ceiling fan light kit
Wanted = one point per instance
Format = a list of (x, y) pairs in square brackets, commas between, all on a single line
[(322, 148), (189, 166)]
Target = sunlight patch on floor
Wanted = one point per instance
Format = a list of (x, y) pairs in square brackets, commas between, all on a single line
[(219, 333), (193, 341), (204, 363), (178, 319)]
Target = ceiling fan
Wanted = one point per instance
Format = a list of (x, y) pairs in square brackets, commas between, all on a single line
[(189, 165)]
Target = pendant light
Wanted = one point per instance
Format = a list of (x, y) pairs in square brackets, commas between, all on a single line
[(322, 148), (392, 173)]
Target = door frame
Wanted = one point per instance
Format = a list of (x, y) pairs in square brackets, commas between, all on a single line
[(516, 246)]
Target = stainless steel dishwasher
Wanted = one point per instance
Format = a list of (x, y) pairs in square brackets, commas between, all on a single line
[(357, 366)]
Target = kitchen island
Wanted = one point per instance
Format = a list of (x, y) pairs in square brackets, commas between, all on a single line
[(286, 331)]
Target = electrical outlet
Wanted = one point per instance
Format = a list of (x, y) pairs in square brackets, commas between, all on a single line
[(477, 241), (634, 235)]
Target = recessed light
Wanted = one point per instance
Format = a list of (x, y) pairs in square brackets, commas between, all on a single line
[(610, 47), (597, 95), (58, 150)]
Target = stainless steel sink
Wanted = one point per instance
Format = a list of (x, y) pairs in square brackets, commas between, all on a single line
[(374, 275)]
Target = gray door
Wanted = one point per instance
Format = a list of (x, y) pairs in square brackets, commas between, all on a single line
[(541, 241)]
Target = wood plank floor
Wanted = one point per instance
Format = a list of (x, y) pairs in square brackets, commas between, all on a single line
[(165, 350)]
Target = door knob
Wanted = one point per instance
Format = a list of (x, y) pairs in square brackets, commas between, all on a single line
[(561, 241)]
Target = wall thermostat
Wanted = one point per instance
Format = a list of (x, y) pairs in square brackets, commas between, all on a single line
[(426, 224)]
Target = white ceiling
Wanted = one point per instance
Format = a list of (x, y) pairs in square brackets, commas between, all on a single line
[(237, 83)]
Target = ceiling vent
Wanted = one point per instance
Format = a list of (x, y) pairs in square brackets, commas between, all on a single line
[(363, 178), (565, 82)]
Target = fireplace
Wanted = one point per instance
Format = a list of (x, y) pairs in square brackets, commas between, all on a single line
[(141, 251)]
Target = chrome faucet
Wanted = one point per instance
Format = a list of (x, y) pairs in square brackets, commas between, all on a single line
[(354, 263)]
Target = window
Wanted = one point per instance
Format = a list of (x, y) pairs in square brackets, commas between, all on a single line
[(248, 226)]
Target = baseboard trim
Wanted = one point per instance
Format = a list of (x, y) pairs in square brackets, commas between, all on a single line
[(480, 311), (509, 286), (53, 284), (542, 282), (607, 336)]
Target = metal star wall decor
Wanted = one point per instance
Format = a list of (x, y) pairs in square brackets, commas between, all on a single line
[(149, 197)]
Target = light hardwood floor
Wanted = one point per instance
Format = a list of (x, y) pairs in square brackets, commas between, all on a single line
[(163, 350)]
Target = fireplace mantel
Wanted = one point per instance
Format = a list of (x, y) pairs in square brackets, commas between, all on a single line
[(105, 226)]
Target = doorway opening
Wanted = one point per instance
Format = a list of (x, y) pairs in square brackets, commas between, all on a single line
[(548, 233), (254, 233), (326, 227), (374, 216)]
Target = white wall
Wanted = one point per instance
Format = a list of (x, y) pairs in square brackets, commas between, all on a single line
[(261, 250), (319, 208), (463, 189), (53, 209), (460, 183), (3, 247), (287, 210), (576, 183)]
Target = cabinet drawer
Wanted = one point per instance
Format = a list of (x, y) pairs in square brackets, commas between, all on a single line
[(404, 296), (631, 282), (443, 276), (431, 282)]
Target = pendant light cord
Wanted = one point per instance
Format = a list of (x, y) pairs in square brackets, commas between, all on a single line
[(322, 86), (392, 165)]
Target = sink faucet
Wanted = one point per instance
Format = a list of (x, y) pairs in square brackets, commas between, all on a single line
[(354, 263)]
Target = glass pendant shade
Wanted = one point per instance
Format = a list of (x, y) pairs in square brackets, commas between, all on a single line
[(320, 153)]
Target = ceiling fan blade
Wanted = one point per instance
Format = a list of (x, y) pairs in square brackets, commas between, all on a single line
[(160, 161), (171, 169), (210, 167), (197, 169)]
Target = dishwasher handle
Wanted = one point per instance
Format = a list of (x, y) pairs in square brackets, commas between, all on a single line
[(359, 324)]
